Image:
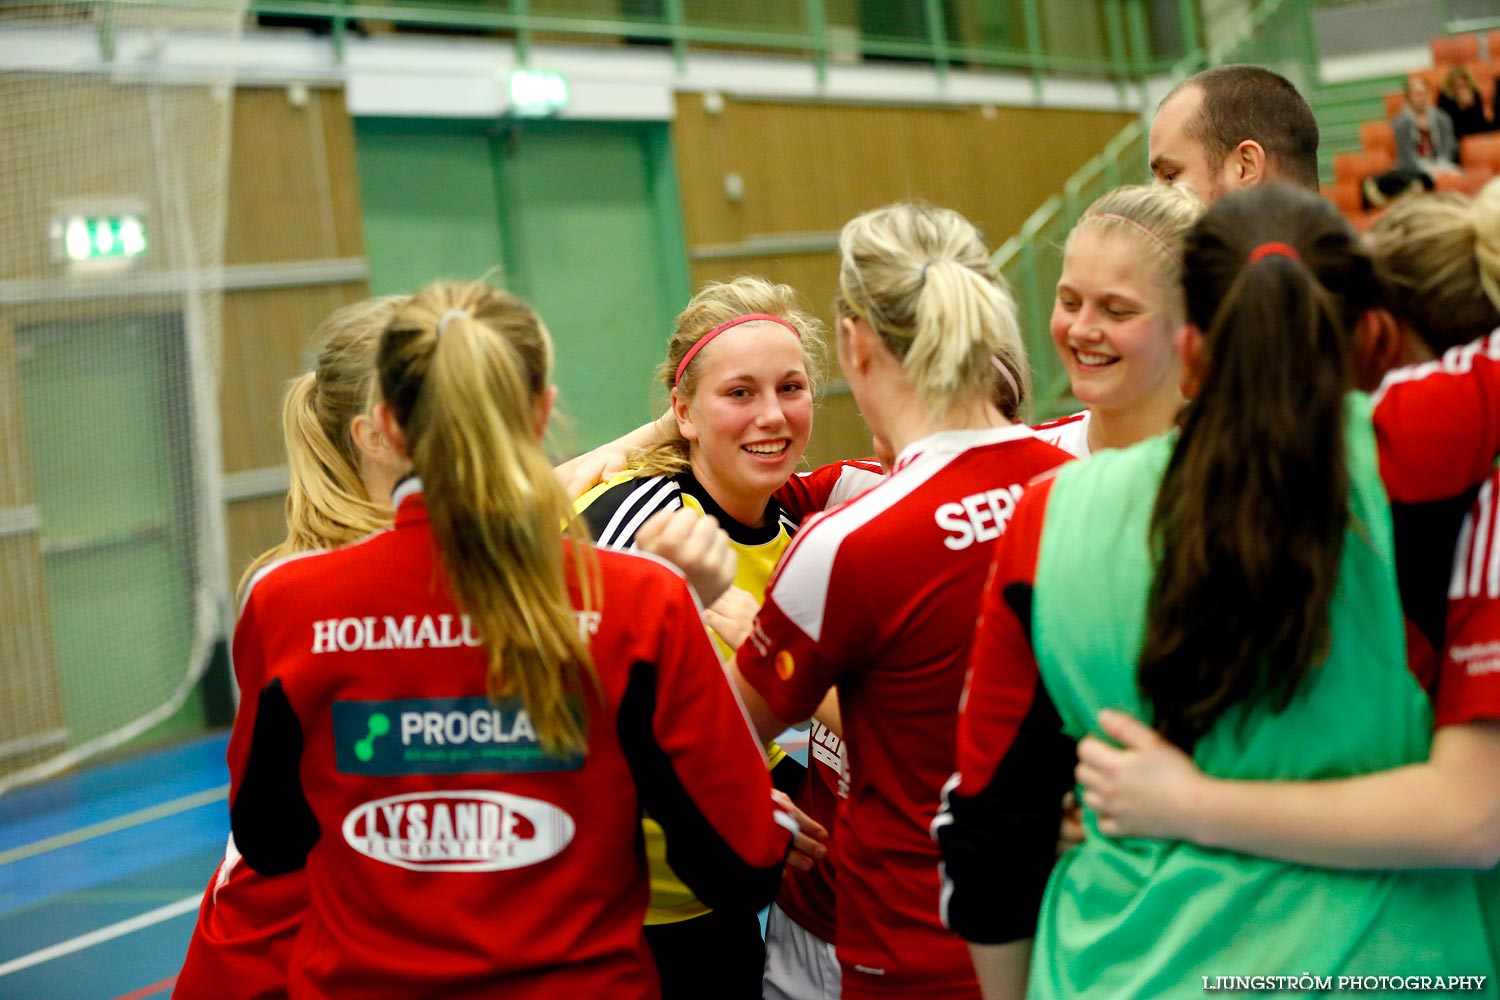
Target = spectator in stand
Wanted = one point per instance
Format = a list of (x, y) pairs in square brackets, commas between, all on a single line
[(1424, 134), (1460, 100)]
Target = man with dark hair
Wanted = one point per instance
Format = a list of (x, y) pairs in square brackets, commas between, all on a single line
[(1234, 127)]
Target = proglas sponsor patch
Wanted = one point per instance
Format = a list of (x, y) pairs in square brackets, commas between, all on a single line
[(440, 736), (460, 831)]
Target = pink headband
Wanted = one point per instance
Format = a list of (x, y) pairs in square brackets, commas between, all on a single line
[(1136, 225), (1274, 249), (710, 335)]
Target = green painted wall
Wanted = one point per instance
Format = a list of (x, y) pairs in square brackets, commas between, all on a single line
[(117, 560), (582, 218)]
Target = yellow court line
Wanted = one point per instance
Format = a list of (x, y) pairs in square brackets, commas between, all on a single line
[(109, 826)]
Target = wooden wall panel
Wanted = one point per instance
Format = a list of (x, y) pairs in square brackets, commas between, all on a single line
[(838, 432), (294, 196), (811, 167), (267, 340), (293, 191), (254, 525)]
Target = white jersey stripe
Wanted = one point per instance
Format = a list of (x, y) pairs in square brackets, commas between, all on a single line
[(1461, 558), (1481, 533), (1492, 577), (803, 597), (612, 533), (669, 498)]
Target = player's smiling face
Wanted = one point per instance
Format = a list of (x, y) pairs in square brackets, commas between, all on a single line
[(1113, 320), (750, 415)]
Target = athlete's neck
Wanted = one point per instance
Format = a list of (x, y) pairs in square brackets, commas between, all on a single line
[(1123, 428), (748, 507), (907, 419)]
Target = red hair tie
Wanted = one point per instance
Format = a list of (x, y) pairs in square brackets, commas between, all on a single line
[(710, 335), (1274, 250)]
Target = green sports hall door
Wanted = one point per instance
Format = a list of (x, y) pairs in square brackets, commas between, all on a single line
[(581, 219)]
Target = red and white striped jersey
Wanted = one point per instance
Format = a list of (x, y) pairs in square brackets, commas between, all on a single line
[(1070, 433), (1468, 682), (1438, 423), (809, 493), (879, 597)]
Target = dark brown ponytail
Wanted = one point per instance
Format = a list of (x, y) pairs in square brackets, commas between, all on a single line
[(1249, 524)]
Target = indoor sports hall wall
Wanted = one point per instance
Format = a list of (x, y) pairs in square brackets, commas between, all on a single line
[(581, 219), (805, 169), (295, 237)]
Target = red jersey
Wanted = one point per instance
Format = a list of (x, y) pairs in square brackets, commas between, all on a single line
[(879, 597), (809, 493), (808, 897), (247, 921), (1437, 428), (1467, 688), (1070, 433), (1438, 423), (447, 853)]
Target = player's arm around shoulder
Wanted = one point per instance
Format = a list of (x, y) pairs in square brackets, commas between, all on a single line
[(698, 770)]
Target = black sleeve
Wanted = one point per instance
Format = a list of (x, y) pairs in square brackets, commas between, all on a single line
[(274, 827), (614, 516), (1426, 538), (695, 851), (998, 846), (788, 774)]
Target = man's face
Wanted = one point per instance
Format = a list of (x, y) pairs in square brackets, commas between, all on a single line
[(1177, 157)]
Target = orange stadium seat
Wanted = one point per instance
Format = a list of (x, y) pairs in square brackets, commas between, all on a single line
[(1448, 50), (1344, 194), (1378, 137), (1478, 151), (1469, 182), (1357, 166), (1492, 42)]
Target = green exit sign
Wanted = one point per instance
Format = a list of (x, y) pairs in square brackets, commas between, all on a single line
[(79, 237), (536, 92)]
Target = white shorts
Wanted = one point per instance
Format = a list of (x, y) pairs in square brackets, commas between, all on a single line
[(799, 964)]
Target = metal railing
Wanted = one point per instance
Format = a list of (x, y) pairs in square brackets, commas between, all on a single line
[(939, 32)]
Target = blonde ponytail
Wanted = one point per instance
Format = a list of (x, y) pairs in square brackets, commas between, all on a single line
[(327, 504), (923, 280), (1438, 260), (468, 401)]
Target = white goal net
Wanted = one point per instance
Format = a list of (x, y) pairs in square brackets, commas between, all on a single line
[(113, 175)]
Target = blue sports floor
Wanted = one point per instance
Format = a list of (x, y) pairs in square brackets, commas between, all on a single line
[(101, 873)]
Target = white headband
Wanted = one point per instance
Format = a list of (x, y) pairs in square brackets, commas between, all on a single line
[(451, 314)]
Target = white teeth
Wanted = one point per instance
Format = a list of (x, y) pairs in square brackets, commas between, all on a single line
[(1095, 359), (766, 449)]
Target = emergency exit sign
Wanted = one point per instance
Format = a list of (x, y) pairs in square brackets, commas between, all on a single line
[(78, 237)]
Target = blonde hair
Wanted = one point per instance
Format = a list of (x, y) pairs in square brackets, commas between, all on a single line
[(1438, 258), (923, 280), (716, 303), (467, 400), (1158, 217), (327, 504)]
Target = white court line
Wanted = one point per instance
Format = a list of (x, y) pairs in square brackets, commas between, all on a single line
[(125, 822), (103, 934)]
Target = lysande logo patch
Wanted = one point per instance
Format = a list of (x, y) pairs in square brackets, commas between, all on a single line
[(459, 831)]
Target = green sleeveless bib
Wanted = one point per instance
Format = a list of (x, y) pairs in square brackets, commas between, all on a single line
[(1146, 918)]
